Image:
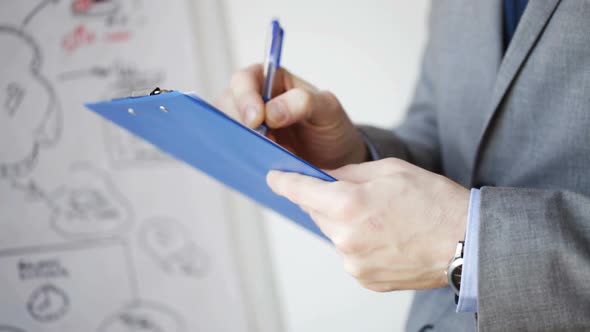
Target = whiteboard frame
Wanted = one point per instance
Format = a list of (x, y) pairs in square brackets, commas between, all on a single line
[(246, 223)]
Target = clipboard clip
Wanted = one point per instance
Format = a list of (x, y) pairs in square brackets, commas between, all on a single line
[(158, 91), (141, 93), (149, 92)]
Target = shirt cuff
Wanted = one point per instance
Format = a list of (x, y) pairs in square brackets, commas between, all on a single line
[(372, 150), (468, 292)]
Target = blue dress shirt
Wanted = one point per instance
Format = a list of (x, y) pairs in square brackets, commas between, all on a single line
[(468, 291)]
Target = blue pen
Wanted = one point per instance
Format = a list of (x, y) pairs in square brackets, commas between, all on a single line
[(271, 64)]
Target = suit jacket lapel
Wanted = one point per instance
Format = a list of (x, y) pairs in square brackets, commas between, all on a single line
[(530, 28)]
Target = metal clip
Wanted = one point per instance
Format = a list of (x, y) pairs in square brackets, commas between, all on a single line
[(158, 91), (139, 93), (148, 92)]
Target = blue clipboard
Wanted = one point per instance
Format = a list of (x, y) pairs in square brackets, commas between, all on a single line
[(191, 130)]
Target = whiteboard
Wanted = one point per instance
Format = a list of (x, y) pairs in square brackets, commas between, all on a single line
[(99, 230)]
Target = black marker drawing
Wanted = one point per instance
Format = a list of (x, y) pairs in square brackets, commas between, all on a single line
[(122, 79), (8, 328), (143, 317), (37, 9), (48, 303), (87, 255), (171, 246), (30, 117), (52, 268), (32, 192), (125, 149), (89, 204)]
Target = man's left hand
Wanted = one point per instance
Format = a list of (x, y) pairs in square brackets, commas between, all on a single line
[(395, 224)]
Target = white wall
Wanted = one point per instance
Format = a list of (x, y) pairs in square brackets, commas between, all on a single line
[(368, 55)]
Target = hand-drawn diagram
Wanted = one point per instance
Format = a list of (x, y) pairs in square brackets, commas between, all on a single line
[(143, 317), (89, 204), (48, 303), (109, 10), (39, 7), (125, 149), (56, 285), (78, 37), (30, 117), (170, 244), (123, 78), (95, 8), (68, 258), (117, 16), (41, 269)]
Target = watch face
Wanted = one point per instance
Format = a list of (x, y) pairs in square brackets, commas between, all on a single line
[(456, 277)]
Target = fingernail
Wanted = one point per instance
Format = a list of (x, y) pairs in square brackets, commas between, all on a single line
[(249, 114), (276, 112)]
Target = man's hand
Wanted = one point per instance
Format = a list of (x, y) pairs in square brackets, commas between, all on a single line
[(309, 122), (395, 224)]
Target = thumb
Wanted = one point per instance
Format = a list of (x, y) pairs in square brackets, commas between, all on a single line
[(302, 101)]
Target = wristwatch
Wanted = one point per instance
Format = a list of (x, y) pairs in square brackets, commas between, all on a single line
[(455, 269)]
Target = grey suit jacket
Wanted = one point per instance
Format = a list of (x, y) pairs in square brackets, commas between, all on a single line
[(518, 127)]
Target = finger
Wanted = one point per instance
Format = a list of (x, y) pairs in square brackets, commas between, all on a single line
[(227, 105), (246, 86), (299, 104), (303, 101), (314, 194), (359, 173), (290, 107)]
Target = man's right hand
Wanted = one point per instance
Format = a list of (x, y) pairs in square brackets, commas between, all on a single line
[(309, 122)]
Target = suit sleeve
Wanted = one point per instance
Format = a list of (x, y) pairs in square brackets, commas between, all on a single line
[(416, 139), (534, 260)]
